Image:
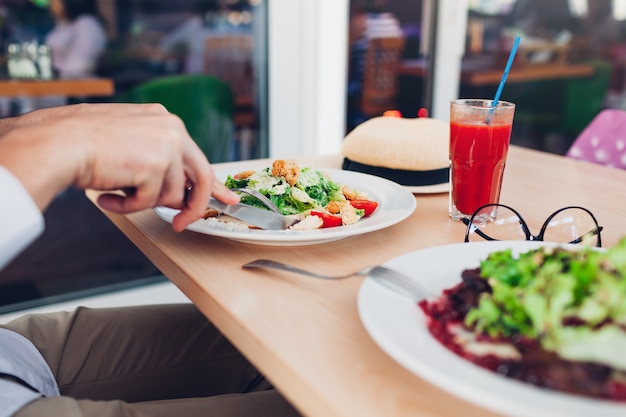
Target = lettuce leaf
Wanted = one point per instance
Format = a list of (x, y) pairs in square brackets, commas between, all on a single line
[(313, 190), (571, 301)]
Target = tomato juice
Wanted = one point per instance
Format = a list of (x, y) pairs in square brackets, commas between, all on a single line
[(477, 156)]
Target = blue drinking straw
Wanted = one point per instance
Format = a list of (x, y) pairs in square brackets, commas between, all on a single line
[(507, 68)]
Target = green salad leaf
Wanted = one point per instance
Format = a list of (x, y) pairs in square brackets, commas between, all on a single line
[(572, 301), (312, 190)]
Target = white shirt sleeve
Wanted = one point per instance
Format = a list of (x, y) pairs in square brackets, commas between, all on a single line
[(21, 222)]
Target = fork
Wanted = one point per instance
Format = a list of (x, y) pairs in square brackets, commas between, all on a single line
[(263, 199), (392, 279)]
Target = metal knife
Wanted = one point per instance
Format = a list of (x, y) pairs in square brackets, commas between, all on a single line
[(254, 216)]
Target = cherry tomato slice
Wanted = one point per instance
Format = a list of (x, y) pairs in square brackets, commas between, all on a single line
[(367, 206), (328, 219)]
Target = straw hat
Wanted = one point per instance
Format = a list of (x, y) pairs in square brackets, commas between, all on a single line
[(409, 151)]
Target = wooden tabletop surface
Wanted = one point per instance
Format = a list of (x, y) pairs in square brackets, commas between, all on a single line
[(96, 87), (305, 335)]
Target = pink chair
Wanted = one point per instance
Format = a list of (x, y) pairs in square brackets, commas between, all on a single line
[(603, 141)]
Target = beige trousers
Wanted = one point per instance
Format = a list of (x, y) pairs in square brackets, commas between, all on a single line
[(165, 360)]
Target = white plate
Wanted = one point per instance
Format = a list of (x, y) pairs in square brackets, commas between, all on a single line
[(429, 189), (394, 205), (398, 326)]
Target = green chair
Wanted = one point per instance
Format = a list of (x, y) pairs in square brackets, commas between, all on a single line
[(204, 103)]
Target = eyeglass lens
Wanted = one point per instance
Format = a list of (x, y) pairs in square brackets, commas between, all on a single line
[(499, 222), (572, 225), (496, 223)]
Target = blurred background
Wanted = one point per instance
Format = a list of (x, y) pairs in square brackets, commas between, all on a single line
[(265, 78)]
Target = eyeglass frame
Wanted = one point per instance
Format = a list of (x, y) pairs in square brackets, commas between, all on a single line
[(529, 236)]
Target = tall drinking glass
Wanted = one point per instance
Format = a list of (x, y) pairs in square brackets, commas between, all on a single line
[(479, 143)]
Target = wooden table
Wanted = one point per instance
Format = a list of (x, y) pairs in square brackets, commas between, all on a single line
[(477, 76), (96, 87), (305, 335)]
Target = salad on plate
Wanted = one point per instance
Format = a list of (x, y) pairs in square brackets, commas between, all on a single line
[(306, 192), (554, 317)]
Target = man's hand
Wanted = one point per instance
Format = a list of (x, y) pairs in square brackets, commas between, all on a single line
[(140, 149)]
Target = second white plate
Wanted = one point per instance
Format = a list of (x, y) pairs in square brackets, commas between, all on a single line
[(398, 326)]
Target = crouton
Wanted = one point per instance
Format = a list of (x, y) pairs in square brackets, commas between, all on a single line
[(348, 192), (244, 174), (290, 170), (334, 207)]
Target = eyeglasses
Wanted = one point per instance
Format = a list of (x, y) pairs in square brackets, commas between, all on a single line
[(572, 224)]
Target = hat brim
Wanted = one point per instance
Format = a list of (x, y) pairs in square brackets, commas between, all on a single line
[(402, 177)]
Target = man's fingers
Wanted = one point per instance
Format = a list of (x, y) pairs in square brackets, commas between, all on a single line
[(197, 202), (143, 197), (173, 190), (222, 193), (111, 202)]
